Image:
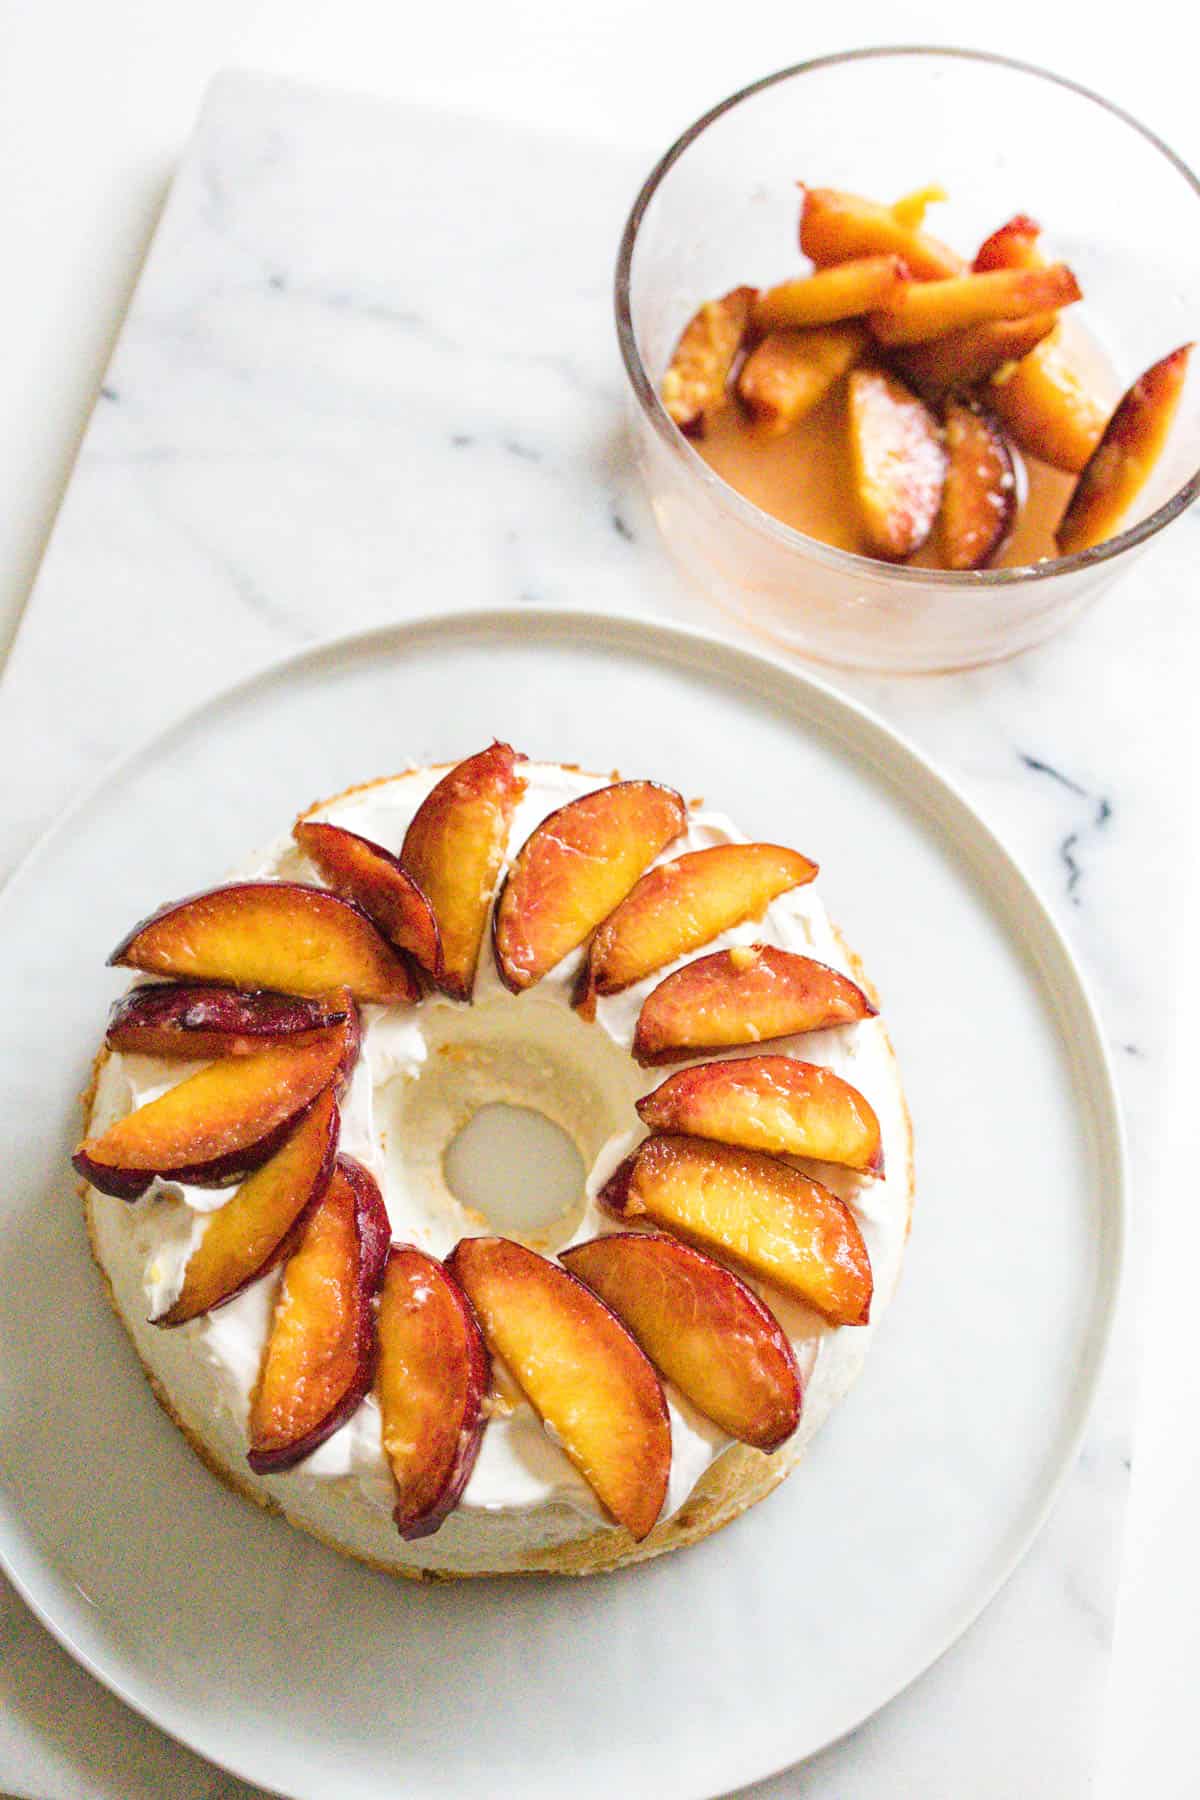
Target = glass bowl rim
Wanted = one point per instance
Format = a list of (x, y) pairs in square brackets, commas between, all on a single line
[(678, 445)]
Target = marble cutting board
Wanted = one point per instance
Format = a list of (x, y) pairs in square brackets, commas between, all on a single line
[(369, 371)]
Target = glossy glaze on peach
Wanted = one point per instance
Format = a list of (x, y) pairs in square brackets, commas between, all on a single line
[(758, 1212), (684, 904), (574, 869), (746, 995), (217, 1125), (773, 1103), (270, 934), (247, 1236), (374, 879), (432, 1387), (701, 1327), (453, 850), (190, 1022), (581, 1370), (319, 1359)]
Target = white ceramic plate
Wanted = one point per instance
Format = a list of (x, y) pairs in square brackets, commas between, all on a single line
[(300, 1670)]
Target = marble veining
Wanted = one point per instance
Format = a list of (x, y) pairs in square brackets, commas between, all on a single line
[(332, 407), (1069, 850)]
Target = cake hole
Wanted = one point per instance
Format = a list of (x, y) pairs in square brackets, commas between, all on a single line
[(515, 1167)]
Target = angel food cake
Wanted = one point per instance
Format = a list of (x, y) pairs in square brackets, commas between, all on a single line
[(338, 1331)]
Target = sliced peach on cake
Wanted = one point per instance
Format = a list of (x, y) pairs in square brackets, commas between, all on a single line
[(683, 904), (1124, 459), (431, 1387), (761, 1214), (269, 934), (696, 383), (254, 1229), (363, 871), (773, 1103), (979, 500), (217, 1125), (319, 1360), (701, 1327), (577, 865), (179, 1019), (453, 850), (745, 995), (580, 1370), (897, 461)]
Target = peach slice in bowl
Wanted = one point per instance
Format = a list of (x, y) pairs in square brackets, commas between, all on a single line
[(721, 210)]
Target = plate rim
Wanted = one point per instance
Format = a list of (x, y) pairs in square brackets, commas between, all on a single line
[(806, 694)]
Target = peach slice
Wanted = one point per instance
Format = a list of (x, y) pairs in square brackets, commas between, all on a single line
[(1123, 460), (743, 996), (790, 372), (454, 849), (574, 869), (848, 290), (372, 877), (1049, 406), (1015, 245), (247, 1236), (696, 383), (762, 1214), (963, 359), (177, 1019), (1047, 401), (579, 1369), (772, 1103), (217, 1125), (701, 1327), (319, 1360), (269, 934), (930, 309), (979, 500), (898, 462), (682, 904), (431, 1386), (836, 226), (911, 208)]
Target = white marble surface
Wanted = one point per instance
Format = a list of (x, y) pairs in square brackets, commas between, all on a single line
[(320, 416)]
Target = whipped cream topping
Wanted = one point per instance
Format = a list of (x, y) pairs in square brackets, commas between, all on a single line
[(422, 1073)]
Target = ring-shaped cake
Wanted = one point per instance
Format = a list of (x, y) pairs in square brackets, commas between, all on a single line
[(425, 946)]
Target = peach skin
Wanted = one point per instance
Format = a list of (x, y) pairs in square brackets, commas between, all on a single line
[(701, 1327), (772, 1103), (696, 383), (247, 1236), (746, 995), (580, 1370), (574, 868), (270, 934), (432, 1385), (319, 1359), (759, 1213), (1124, 459), (453, 851)]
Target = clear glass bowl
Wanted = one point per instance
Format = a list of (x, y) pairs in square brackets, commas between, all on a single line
[(721, 208)]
